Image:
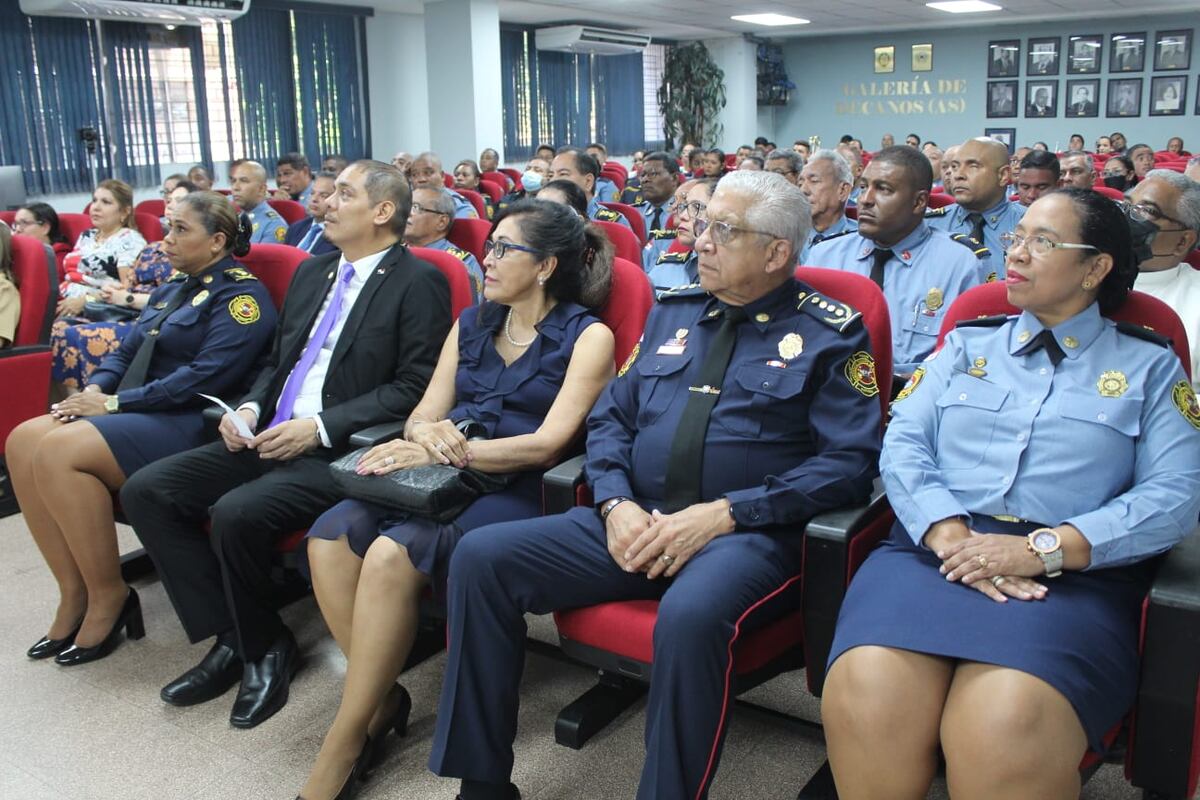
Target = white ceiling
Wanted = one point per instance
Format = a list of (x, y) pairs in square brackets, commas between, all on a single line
[(695, 19)]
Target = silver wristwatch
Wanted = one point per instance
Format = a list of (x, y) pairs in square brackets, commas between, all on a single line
[(1046, 544)]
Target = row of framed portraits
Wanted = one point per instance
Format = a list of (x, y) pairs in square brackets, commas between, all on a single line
[(1168, 98), (1172, 50)]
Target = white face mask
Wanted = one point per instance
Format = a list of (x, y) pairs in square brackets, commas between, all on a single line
[(532, 181)]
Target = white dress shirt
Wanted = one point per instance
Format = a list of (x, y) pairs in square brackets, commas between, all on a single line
[(1178, 287)]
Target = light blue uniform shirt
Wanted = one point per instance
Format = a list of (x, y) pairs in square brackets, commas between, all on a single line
[(597, 211), (999, 219), (925, 273), (840, 225), (269, 227), (462, 207), (474, 270), (1108, 441), (606, 191), (674, 270), (657, 243), (648, 210)]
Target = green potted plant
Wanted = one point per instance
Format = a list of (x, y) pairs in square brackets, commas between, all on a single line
[(691, 95)]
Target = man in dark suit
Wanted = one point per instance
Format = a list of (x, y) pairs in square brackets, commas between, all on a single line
[(358, 338), (309, 233), (1041, 105), (1082, 104)]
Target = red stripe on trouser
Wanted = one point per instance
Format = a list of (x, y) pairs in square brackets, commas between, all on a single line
[(712, 756)]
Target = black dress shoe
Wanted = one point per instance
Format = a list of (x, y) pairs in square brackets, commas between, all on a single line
[(513, 793), (47, 647), (211, 678), (398, 721), (130, 619), (265, 683)]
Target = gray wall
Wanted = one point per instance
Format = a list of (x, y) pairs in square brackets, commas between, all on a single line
[(824, 68)]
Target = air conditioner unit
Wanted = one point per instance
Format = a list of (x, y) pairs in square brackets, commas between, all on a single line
[(586, 39), (160, 12)]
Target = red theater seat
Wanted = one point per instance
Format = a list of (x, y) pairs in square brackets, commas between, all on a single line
[(290, 210), (629, 303), (617, 177), (8, 217), (461, 295), (73, 226), (617, 637), (153, 207), (149, 227), (514, 174), (624, 240), (636, 221), (499, 178), (274, 265), (940, 200), (470, 234), (475, 199), (493, 190), (1115, 194)]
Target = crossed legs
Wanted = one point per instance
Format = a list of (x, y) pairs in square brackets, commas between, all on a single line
[(63, 475), (1005, 733)]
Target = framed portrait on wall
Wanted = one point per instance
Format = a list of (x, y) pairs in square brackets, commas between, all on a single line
[(1127, 52), (1084, 54), (1083, 98), (1004, 58), (1002, 99), (1041, 99), (885, 59), (1043, 56), (1124, 97), (1172, 50), (1168, 95), (1006, 136)]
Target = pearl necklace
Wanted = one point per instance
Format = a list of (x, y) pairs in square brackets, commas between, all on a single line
[(508, 332)]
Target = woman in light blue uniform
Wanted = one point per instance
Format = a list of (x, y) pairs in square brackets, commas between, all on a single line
[(977, 625)]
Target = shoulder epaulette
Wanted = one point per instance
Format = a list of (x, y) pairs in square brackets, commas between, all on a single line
[(659, 235), (977, 247), (982, 322), (272, 213), (687, 290), (1142, 332), (834, 313), (176, 275), (833, 236), (937, 212), (240, 274), (673, 258), (607, 214), (458, 252)]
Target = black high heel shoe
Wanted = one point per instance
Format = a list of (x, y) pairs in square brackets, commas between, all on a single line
[(130, 619), (357, 776), (397, 722), (47, 647)]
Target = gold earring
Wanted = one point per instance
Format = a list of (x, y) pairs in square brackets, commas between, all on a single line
[(1087, 285)]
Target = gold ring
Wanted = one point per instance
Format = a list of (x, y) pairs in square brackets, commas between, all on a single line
[(983, 562), (997, 580)]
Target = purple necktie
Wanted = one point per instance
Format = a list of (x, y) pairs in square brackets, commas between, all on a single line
[(291, 389)]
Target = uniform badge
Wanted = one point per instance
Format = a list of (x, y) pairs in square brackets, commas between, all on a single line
[(1023, 336), (791, 346), (762, 317), (674, 346), (779, 364), (934, 299), (200, 298), (860, 371), (207, 279), (906, 255), (991, 278), (244, 309), (254, 228), (160, 306), (1112, 383), (280, 235), (1185, 400), (977, 368), (1071, 342), (633, 354), (913, 381)]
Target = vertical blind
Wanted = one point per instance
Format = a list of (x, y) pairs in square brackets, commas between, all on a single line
[(130, 102), (262, 42), (565, 98), (332, 114)]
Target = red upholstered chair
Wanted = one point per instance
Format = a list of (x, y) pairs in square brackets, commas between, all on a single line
[(25, 367), (617, 637), (624, 240), (499, 178), (635, 218), (493, 190), (940, 200), (148, 226), (852, 212), (1115, 194), (1163, 746), (615, 176), (475, 199), (447, 180), (514, 174), (290, 210), (73, 226), (8, 217), (1193, 258), (461, 295), (629, 303), (470, 234), (616, 165), (274, 265), (731, 161), (154, 207)]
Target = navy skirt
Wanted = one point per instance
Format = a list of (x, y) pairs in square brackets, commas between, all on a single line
[(139, 439), (429, 544), (1082, 639)]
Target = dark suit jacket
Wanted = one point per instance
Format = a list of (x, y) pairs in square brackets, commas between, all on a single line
[(1087, 109), (385, 354), (299, 229)]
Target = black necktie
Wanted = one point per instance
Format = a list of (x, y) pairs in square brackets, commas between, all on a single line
[(881, 257), (685, 468), (1044, 339), (654, 223), (135, 376), (976, 220)]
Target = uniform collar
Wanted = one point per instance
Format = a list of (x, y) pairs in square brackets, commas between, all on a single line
[(1161, 278), (903, 249), (593, 207), (262, 207), (991, 216), (761, 312), (1073, 335), (842, 223)]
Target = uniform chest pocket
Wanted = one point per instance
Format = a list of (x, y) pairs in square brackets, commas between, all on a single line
[(921, 324), (763, 402), (1121, 415), (661, 378), (969, 407), (183, 317)]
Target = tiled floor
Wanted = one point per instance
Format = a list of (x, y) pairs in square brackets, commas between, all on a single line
[(100, 732)]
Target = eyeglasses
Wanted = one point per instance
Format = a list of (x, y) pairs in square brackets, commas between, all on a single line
[(722, 232), (693, 209), (1145, 213), (1038, 244), (652, 173), (21, 224), (417, 208), (498, 249)]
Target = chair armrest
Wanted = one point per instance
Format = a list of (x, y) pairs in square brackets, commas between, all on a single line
[(1163, 754), (378, 434), (833, 543), (24, 350), (559, 486)]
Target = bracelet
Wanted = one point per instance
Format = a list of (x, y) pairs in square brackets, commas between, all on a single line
[(608, 507)]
